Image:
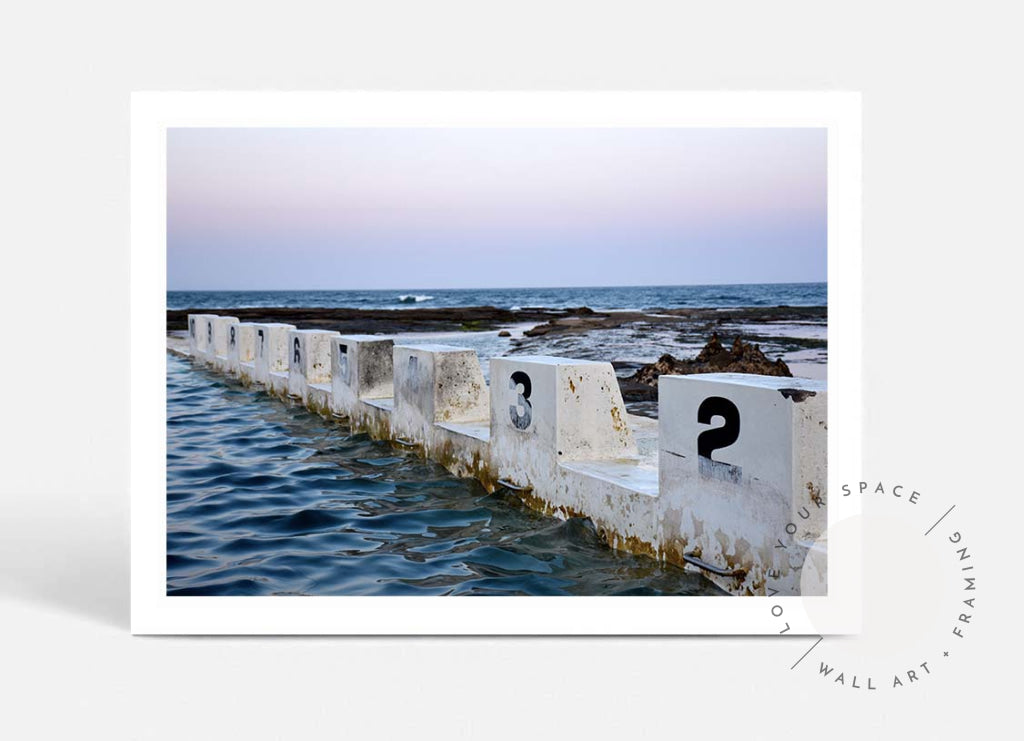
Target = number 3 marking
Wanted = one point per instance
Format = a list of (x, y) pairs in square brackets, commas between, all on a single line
[(521, 421)]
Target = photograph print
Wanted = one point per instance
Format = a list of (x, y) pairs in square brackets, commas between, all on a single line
[(519, 361)]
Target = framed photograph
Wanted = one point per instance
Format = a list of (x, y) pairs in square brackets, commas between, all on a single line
[(590, 358)]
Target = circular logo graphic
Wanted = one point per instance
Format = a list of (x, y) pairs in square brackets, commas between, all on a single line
[(918, 599)]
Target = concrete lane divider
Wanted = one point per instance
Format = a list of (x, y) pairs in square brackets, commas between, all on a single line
[(441, 404), (562, 440), (309, 367), (546, 411), (217, 340), (241, 346), (242, 351), (270, 357), (200, 335), (742, 468), (362, 368), (362, 382)]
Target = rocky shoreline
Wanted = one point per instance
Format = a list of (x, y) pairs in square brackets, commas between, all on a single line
[(582, 332), (387, 321), (473, 318)]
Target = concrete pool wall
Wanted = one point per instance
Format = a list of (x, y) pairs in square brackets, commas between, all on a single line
[(734, 466)]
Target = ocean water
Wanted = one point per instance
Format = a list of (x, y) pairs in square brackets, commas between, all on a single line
[(265, 498), (604, 298)]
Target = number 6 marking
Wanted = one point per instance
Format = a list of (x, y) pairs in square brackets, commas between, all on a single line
[(297, 356), (521, 421)]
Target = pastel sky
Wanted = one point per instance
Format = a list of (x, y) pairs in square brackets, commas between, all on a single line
[(489, 208)]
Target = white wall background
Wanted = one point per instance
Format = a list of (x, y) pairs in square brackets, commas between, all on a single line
[(942, 128)]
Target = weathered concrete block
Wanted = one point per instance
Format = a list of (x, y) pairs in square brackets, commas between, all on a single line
[(560, 434), (270, 351), (217, 352), (436, 383), (318, 398), (309, 360), (742, 466), (200, 335), (546, 411), (196, 340), (247, 373), (361, 368), (241, 346)]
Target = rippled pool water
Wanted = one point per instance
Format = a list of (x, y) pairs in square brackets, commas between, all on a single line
[(264, 498)]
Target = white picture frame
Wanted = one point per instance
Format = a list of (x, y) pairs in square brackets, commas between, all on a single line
[(154, 612)]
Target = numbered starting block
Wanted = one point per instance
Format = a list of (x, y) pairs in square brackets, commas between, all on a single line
[(441, 404), (742, 468), (200, 335), (309, 367), (361, 382), (270, 355), (362, 368), (560, 432), (217, 353), (241, 350), (548, 411)]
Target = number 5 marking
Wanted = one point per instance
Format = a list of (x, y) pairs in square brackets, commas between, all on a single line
[(521, 421), (343, 362)]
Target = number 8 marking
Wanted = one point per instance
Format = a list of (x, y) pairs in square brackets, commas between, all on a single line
[(521, 421)]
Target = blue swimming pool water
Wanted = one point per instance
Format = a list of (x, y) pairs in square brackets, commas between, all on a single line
[(264, 498)]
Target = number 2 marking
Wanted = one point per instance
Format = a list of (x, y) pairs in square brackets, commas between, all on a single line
[(720, 437), (521, 421), (716, 438)]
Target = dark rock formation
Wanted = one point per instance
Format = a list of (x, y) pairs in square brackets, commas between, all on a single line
[(742, 357)]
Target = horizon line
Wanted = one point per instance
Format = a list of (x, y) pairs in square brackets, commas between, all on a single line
[(509, 288)]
